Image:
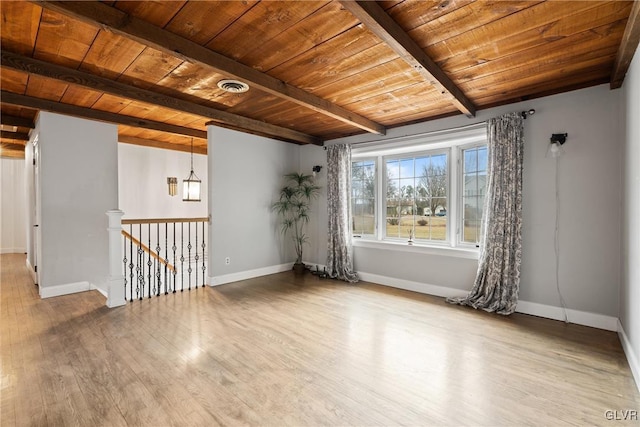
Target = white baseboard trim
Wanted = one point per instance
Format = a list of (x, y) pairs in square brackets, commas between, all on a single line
[(634, 364), (312, 266), (593, 320), (32, 272), (585, 318), (102, 291), (66, 289), (408, 285), (250, 274), (13, 251)]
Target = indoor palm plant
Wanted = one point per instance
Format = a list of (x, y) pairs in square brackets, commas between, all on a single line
[(293, 209)]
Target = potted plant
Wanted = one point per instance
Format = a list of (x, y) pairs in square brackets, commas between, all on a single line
[(293, 209)]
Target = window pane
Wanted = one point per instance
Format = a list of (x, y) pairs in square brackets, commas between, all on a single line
[(393, 169), (471, 231), (473, 192), (439, 163), (470, 160), (362, 197), (393, 187), (422, 166), (356, 171), (416, 195), (482, 159), (406, 168)]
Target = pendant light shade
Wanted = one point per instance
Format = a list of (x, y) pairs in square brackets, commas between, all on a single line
[(556, 141), (191, 185)]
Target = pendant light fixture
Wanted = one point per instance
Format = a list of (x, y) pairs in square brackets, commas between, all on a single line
[(555, 145), (191, 185)]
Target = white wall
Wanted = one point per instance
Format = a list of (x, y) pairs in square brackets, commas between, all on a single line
[(245, 175), (142, 182), (590, 195), (78, 184), (13, 208), (630, 289)]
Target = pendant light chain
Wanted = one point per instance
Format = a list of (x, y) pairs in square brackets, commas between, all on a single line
[(192, 154)]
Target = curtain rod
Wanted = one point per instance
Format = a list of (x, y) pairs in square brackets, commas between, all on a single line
[(523, 113)]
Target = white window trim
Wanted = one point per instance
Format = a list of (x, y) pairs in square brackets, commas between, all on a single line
[(454, 140), (390, 245)]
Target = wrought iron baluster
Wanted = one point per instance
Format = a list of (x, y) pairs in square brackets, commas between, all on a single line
[(196, 257), (174, 257), (157, 260), (140, 266), (189, 269), (181, 256), (149, 263), (124, 240), (130, 264), (166, 255), (203, 255)]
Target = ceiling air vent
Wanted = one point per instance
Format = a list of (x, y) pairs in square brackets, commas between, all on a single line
[(233, 86)]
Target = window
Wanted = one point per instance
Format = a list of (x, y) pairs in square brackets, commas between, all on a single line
[(363, 200), (416, 203), (429, 188), (474, 186)]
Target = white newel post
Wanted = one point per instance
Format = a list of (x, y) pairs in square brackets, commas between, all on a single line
[(115, 284)]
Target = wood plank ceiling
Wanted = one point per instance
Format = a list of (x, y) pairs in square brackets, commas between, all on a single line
[(317, 70)]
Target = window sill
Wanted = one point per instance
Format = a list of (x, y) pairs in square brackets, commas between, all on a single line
[(468, 253)]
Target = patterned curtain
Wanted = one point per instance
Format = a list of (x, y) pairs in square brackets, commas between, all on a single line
[(339, 256), (498, 278)]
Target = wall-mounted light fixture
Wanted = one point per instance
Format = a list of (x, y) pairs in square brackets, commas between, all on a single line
[(316, 170), (191, 185), (173, 185), (527, 113), (555, 144)]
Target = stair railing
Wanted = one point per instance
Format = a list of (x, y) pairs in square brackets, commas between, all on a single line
[(162, 256)]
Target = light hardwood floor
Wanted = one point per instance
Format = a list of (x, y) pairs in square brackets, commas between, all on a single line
[(280, 351)]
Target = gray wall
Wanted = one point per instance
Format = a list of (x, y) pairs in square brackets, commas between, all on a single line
[(316, 251), (78, 184), (245, 175), (590, 198), (630, 289)]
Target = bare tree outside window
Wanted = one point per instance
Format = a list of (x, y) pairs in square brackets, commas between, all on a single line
[(433, 188)]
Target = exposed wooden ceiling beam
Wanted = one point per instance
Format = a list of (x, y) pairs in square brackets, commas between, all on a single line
[(87, 113), (16, 121), (159, 144), (11, 146), (80, 78), (15, 151), (112, 19), (14, 135), (628, 46), (382, 25)]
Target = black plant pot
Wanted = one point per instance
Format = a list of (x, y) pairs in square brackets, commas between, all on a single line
[(299, 269)]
